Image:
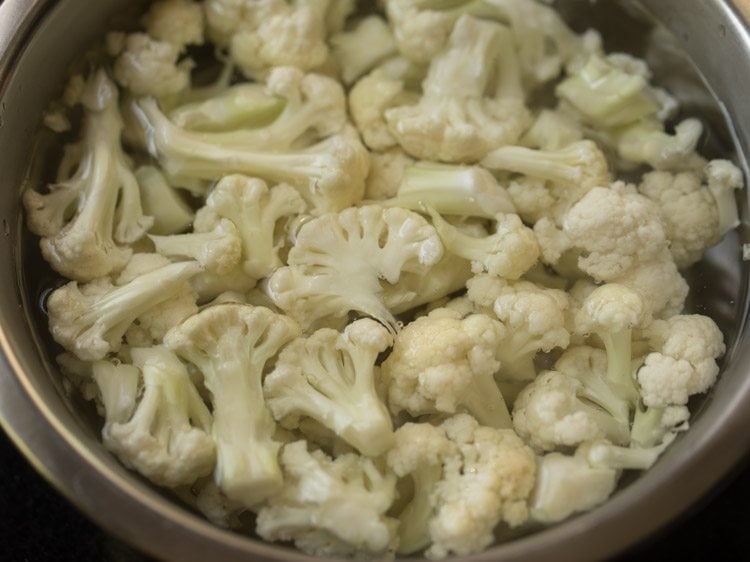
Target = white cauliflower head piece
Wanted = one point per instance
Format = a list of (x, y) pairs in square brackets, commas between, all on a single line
[(444, 363), (231, 344), (92, 213), (149, 67), (91, 320), (553, 412), (166, 435), (333, 507), (267, 33), (616, 229), (331, 377), (340, 260), (688, 211), (259, 213), (179, 22), (467, 479), (472, 98), (490, 482), (684, 361), (534, 317)]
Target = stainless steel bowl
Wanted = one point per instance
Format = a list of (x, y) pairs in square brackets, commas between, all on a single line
[(40, 38)]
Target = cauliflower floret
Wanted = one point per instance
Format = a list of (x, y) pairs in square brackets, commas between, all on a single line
[(165, 436), (490, 482), (456, 120), (509, 252), (695, 216), (267, 33), (149, 67), (552, 181), (331, 377), (618, 237), (179, 22), (91, 320), (688, 212), (151, 325), (684, 361), (553, 411), (617, 230), (385, 87), (231, 344), (93, 211), (419, 451), (330, 507), (329, 174), (660, 285), (260, 215), (339, 262), (611, 312), (442, 363), (533, 316), (466, 478), (723, 179)]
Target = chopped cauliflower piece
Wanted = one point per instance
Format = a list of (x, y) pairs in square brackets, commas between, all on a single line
[(267, 33), (684, 361), (467, 479), (149, 67), (179, 22), (509, 252), (331, 507), (331, 377), (93, 213), (534, 317), (90, 321), (231, 344), (259, 214), (456, 120), (444, 363), (339, 262), (165, 434), (554, 411)]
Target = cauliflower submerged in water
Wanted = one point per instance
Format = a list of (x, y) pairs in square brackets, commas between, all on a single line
[(368, 281)]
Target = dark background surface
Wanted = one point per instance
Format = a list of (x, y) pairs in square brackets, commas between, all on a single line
[(37, 524)]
